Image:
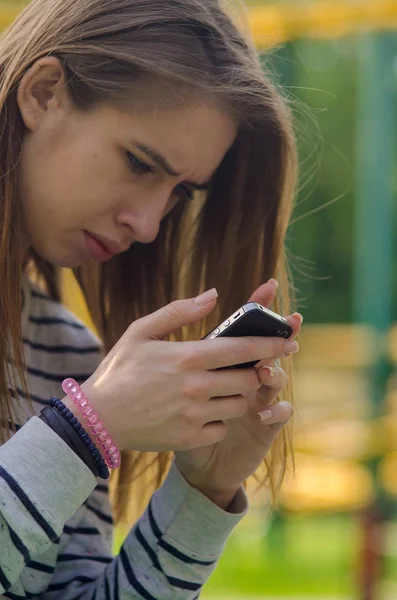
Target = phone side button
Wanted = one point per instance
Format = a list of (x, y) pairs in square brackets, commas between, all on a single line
[(227, 323), (217, 332)]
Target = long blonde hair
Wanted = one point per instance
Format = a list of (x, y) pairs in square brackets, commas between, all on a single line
[(232, 239)]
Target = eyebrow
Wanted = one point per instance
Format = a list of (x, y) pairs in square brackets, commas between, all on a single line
[(163, 163)]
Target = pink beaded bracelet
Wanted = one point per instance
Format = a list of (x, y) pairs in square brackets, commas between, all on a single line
[(100, 436)]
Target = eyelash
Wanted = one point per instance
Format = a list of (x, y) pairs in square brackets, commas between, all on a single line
[(185, 192), (139, 167)]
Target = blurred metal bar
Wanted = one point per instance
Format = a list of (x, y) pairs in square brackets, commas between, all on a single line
[(374, 252), (374, 260)]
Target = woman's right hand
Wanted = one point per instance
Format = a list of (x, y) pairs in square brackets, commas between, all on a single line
[(156, 395)]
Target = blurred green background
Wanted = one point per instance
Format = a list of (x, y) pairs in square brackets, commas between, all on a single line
[(335, 535)]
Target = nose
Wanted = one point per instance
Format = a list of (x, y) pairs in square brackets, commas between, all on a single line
[(146, 229), (143, 218)]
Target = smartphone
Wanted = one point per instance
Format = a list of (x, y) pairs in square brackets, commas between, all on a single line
[(252, 319)]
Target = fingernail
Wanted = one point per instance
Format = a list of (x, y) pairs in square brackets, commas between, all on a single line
[(291, 348), (300, 317), (269, 371), (264, 415), (207, 297), (274, 282)]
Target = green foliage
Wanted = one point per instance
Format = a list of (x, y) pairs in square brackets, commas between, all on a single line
[(312, 556), (321, 82)]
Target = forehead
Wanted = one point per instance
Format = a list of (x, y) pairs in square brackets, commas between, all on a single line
[(193, 138)]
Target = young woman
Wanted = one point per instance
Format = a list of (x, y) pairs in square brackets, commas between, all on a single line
[(142, 146)]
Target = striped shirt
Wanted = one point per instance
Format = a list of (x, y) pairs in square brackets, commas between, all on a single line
[(55, 517)]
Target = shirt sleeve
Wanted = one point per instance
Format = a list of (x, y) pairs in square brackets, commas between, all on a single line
[(168, 555), (42, 485)]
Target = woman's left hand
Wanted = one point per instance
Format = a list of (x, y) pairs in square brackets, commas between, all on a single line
[(219, 470)]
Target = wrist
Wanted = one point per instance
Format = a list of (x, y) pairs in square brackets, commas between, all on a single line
[(221, 499), (100, 406), (70, 405), (107, 452)]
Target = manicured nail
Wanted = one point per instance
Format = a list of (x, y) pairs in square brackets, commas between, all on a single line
[(207, 297), (264, 415), (300, 317), (291, 348), (269, 371), (273, 282)]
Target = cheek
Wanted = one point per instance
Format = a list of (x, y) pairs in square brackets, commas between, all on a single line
[(67, 185)]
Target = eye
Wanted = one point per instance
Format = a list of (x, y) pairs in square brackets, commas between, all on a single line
[(184, 192), (138, 166)]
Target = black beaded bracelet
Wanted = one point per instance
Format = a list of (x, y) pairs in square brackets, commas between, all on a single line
[(76, 428), (71, 419)]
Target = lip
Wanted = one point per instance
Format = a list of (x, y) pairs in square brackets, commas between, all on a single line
[(99, 248)]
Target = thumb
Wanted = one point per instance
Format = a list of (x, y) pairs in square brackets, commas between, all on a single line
[(172, 317)]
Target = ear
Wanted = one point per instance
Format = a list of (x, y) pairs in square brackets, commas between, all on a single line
[(41, 89)]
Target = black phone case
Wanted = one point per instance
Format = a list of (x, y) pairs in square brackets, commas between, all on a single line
[(256, 322)]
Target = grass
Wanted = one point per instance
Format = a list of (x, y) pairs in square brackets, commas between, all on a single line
[(305, 556)]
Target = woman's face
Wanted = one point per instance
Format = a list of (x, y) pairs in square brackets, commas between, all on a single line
[(92, 183)]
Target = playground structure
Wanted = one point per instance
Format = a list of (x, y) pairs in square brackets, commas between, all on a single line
[(319, 19)]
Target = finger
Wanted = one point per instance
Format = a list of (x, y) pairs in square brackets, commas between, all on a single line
[(277, 416), (273, 380), (267, 362), (224, 409), (212, 433), (175, 315), (226, 352), (273, 376), (266, 293), (229, 383), (295, 320)]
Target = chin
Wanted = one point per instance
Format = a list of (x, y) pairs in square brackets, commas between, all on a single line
[(69, 264), (67, 260)]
